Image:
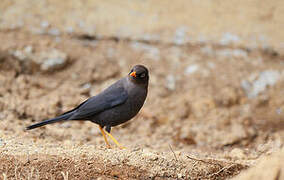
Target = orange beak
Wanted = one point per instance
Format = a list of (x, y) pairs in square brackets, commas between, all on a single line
[(133, 74)]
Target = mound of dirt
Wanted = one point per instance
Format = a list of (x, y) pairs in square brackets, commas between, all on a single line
[(269, 167), (29, 160)]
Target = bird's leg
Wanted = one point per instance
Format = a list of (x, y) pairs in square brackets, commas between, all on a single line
[(113, 139), (104, 135)]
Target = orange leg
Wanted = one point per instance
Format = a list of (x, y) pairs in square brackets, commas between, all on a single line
[(115, 141), (104, 135)]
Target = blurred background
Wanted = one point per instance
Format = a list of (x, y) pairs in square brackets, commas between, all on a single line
[(216, 72)]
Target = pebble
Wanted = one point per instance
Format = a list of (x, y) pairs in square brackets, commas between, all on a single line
[(19, 55), (46, 60), (229, 38), (180, 35), (86, 86), (44, 24), (69, 30), (238, 153), (260, 84), (171, 82), (28, 49), (191, 69), (51, 59), (2, 142)]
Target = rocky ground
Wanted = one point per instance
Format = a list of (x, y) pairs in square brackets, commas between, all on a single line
[(215, 106)]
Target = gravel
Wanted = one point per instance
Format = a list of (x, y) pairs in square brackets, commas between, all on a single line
[(259, 84), (45, 60), (51, 59)]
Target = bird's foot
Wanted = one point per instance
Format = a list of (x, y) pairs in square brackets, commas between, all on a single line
[(121, 147), (114, 140)]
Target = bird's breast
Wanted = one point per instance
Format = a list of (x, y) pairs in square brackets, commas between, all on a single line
[(125, 111)]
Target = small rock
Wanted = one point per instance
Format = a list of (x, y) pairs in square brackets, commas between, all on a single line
[(171, 82), (264, 79), (179, 175), (44, 24), (191, 69), (180, 36), (28, 49), (50, 60), (19, 55), (229, 38), (24, 54), (151, 156), (2, 142), (238, 153), (65, 125), (86, 86), (69, 29)]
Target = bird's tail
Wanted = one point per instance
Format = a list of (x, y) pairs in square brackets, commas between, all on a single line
[(62, 117)]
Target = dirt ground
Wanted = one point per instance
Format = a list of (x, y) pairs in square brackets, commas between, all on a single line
[(215, 108)]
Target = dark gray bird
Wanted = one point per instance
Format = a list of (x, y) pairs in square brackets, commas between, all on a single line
[(115, 105)]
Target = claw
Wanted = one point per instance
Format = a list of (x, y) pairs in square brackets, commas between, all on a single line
[(115, 141)]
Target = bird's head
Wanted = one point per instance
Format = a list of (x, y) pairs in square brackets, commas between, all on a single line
[(139, 74)]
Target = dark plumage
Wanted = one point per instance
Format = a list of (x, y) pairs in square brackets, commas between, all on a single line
[(115, 105)]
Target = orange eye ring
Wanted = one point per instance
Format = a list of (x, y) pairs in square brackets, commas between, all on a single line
[(133, 74)]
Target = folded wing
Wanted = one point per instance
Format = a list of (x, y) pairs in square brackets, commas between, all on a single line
[(106, 100)]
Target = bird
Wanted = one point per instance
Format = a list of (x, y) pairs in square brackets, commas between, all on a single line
[(115, 105)]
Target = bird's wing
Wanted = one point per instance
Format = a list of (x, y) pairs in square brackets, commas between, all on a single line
[(108, 99)]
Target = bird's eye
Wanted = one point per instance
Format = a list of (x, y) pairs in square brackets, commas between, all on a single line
[(142, 75)]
